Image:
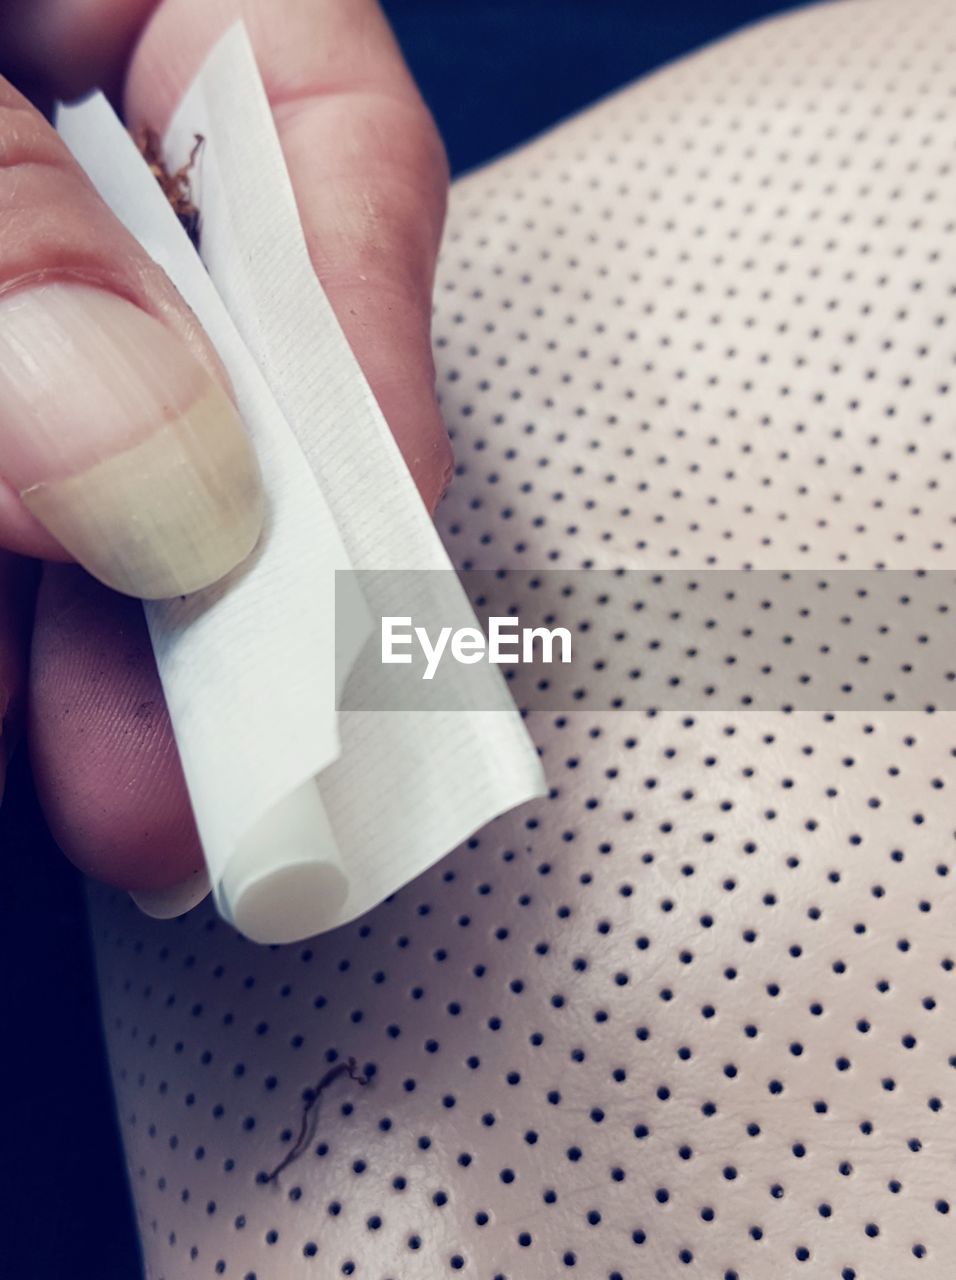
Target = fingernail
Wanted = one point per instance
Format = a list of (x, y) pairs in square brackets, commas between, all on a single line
[(166, 904), (448, 476), (121, 443)]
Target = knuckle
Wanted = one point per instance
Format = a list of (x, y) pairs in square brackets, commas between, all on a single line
[(48, 209), (25, 137)]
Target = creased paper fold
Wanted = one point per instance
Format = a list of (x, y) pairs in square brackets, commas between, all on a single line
[(308, 817)]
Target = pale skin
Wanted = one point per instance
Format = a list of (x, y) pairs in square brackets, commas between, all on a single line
[(370, 177)]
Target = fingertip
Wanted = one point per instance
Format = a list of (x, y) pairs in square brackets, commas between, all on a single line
[(438, 475), (101, 744)]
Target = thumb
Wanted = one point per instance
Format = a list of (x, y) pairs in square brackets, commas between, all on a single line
[(119, 444)]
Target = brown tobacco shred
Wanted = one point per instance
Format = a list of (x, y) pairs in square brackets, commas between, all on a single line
[(176, 187), (310, 1113)]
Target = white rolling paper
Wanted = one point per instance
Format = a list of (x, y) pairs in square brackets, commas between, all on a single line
[(308, 816)]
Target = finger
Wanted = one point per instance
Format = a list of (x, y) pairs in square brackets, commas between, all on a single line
[(16, 600), (368, 171), (117, 435), (101, 744), (70, 46)]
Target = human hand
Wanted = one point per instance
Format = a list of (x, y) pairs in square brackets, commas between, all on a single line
[(119, 447)]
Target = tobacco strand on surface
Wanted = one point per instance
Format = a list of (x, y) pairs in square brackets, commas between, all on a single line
[(310, 1113)]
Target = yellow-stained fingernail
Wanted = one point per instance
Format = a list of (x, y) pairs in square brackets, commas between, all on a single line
[(166, 904), (121, 443)]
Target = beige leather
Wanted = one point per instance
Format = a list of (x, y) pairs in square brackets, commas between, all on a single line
[(694, 1014)]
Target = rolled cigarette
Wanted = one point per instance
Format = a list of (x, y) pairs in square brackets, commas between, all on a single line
[(285, 880)]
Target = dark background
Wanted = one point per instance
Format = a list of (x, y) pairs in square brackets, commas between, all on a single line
[(494, 72)]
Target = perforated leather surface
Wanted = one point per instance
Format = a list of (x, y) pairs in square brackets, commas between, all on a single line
[(693, 1013)]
